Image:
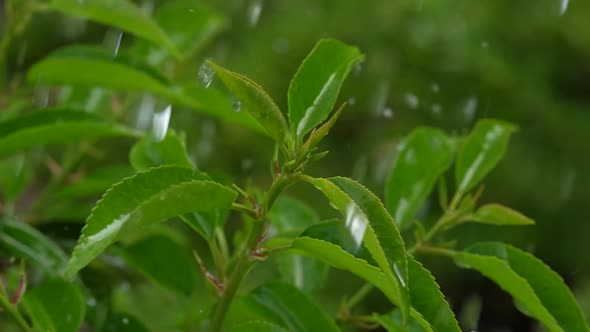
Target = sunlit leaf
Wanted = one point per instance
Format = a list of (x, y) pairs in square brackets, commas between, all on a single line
[(55, 306), (122, 14), (296, 310), (424, 156), (22, 240), (52, 127), (364, 211), (496, 214), (150, 153), (483, 149), (255, 101), (163, 261), (533, 284), (147, 197), (315, 87)]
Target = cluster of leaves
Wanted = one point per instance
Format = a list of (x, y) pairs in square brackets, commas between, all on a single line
[(125, 227)]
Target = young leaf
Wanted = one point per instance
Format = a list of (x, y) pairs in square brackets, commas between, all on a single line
[(54, 126), (55, 306), (164, 261), (428, 300), (22, 240), (147, 197), (170, 151), (484, 147), (383, 240), (496, 214), (122, 14), (255, 101), (297, 311), (424, 157), (533, 284), (258, 326), (315, 87)]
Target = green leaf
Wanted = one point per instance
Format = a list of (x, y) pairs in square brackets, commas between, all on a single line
[(315, 87), (333, 231), (191, 25), (363, 209), (258, 326), (424, 157), (296, 310), (392, 322), (22, 240), (15, 175), (496, 214), (428, 300), (163, 261), (52, 127), (291, 216), (55, 306), (122, 14), (91, 67), (539, 290), (255, 101), (483, 149), (170, 151), (145, 198)]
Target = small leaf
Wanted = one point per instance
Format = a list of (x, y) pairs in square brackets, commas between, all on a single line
[(258, 326), (500, 215), (170, 151), (55, 306), (145, 198), (483, 149), (539, 290), (424, 157), (428, 300), (163, 261), (255, 101), (315, 87), (383, 240), (122, 14), (22, 240), (52, 127), (297, 311)]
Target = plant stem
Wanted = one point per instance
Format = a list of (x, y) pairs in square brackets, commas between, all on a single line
[(13, 311), (359, 295)]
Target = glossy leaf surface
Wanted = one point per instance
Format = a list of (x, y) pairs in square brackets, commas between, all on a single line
[(147, 197), (315, 87), (480, 153), (424, 156), (55, 306), (496, 214)]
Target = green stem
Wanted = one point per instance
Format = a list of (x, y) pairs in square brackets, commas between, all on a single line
[(360, 294), (437, 251), (11, 309)]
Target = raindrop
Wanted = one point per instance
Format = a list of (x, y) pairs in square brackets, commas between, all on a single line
[(436, 109), (125, 320), (91, 302), (399, 275), (412, 100), (160, 123), (351, 101), (381, 97), (254, 12), (112, 41), (41, 97), (358, 68), (22, 51), (206, 74), (470, 108), (281, 45), (388, 113), (567, 184), (564, 6), (146, 111), (435, 88), (236, 105)]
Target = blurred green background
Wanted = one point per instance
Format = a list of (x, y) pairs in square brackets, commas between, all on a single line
[(428, 63)]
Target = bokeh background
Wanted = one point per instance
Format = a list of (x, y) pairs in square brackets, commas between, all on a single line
[(428, 63)]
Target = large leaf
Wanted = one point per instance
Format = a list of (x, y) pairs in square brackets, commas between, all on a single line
[(297, 311), (496, 214), (190, 25), (170, 151), (315, 87), (484, 147), (122, 14), (54, 126), (164, 261), (90, 67), (428, 299), (424, 157), (255, 101), (147, 197), (382, 238), (26, 242), (258, 326), (533, 284), (55, 306)]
